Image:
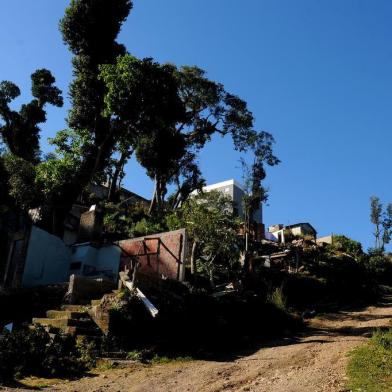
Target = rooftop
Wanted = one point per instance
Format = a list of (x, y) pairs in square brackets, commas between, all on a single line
[(223, 184)]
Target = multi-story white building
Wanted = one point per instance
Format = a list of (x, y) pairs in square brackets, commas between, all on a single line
[(235, 190)]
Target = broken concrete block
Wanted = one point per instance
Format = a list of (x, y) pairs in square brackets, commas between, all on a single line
[(90, 229), (82, 290)]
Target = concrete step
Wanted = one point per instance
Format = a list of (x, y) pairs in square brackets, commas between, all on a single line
[(63, 323), (55, 314), (74, 308), (91, 333)]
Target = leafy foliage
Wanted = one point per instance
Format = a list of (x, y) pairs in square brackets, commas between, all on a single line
[(35, 352), (382, 221), (171, 113), (341, 243), (20, 178), (127, 221), (209, 220), (20, 130)]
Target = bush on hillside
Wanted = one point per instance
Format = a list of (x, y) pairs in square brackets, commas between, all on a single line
[(198, 324), (35, 352)]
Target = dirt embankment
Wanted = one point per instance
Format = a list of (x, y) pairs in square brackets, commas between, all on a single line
[(314, 361)]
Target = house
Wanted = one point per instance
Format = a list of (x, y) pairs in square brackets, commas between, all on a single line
[(326, 240), (236, 192), (31, 256), (284, 234), (97, 192), (37, 258), (101, 191)]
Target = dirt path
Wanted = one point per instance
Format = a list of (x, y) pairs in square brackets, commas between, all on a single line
[(312, 362)]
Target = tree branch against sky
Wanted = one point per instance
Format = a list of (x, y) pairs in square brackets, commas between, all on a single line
[(171, 113), (317, 86)]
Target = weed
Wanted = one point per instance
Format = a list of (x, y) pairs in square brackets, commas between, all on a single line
[(370, 365), (278, 299)]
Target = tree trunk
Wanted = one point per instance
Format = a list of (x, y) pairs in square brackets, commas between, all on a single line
[(154, 198), (114, 184), (193, 257), (158, 199), (68, 194)]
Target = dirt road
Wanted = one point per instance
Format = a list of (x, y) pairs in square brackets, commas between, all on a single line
[(312, 362)]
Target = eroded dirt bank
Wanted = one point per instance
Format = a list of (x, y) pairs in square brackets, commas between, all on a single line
[(314, 361)]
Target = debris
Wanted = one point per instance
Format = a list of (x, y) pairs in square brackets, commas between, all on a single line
[(308, 314), (124, 277), (147, 303)]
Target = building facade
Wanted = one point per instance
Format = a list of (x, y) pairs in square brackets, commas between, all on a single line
[(235, 191), (284, 234)]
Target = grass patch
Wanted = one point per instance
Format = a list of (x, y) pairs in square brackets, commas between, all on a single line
[(278, 299), (148, 357), (161, 360), (370, 365), (38, 382)]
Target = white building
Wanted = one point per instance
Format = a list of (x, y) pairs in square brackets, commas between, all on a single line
[(235, 190)]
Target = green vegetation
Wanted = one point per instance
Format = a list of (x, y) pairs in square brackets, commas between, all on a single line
[(278, 299), (382, 221), (370, 365), (341, 243), (209, 325), (213, 230), (35, 353), (165, 115), (120, 106), (146, 356)]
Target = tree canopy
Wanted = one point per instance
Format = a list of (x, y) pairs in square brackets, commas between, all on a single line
[(20, 131), (214, 231), (179, 113), (120, 105)]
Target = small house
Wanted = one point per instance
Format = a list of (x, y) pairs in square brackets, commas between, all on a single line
[(284, 234)]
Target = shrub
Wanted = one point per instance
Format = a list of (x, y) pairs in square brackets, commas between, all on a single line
[(341, 243), (35, 352), (278, 299), (383, 339)]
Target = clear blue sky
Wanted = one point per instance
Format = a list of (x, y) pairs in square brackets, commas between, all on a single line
[(316, 74)]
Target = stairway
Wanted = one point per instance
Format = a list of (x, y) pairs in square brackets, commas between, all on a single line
[(71, 319)]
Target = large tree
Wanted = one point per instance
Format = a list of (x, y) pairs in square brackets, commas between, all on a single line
[(20, 134), (167, 141), (90, 29), (376, 219), (382, 221), (254, 174), (20, 129)]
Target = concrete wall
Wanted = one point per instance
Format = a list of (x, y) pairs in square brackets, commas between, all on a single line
[(328, 239), (47, 260), (160, 254), (88, 260)]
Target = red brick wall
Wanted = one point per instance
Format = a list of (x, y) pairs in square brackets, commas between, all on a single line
[(158, 254)]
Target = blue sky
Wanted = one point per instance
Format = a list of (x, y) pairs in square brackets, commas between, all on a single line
[(316, 74)]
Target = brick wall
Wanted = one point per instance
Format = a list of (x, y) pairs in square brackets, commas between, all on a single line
[(160, 254)]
